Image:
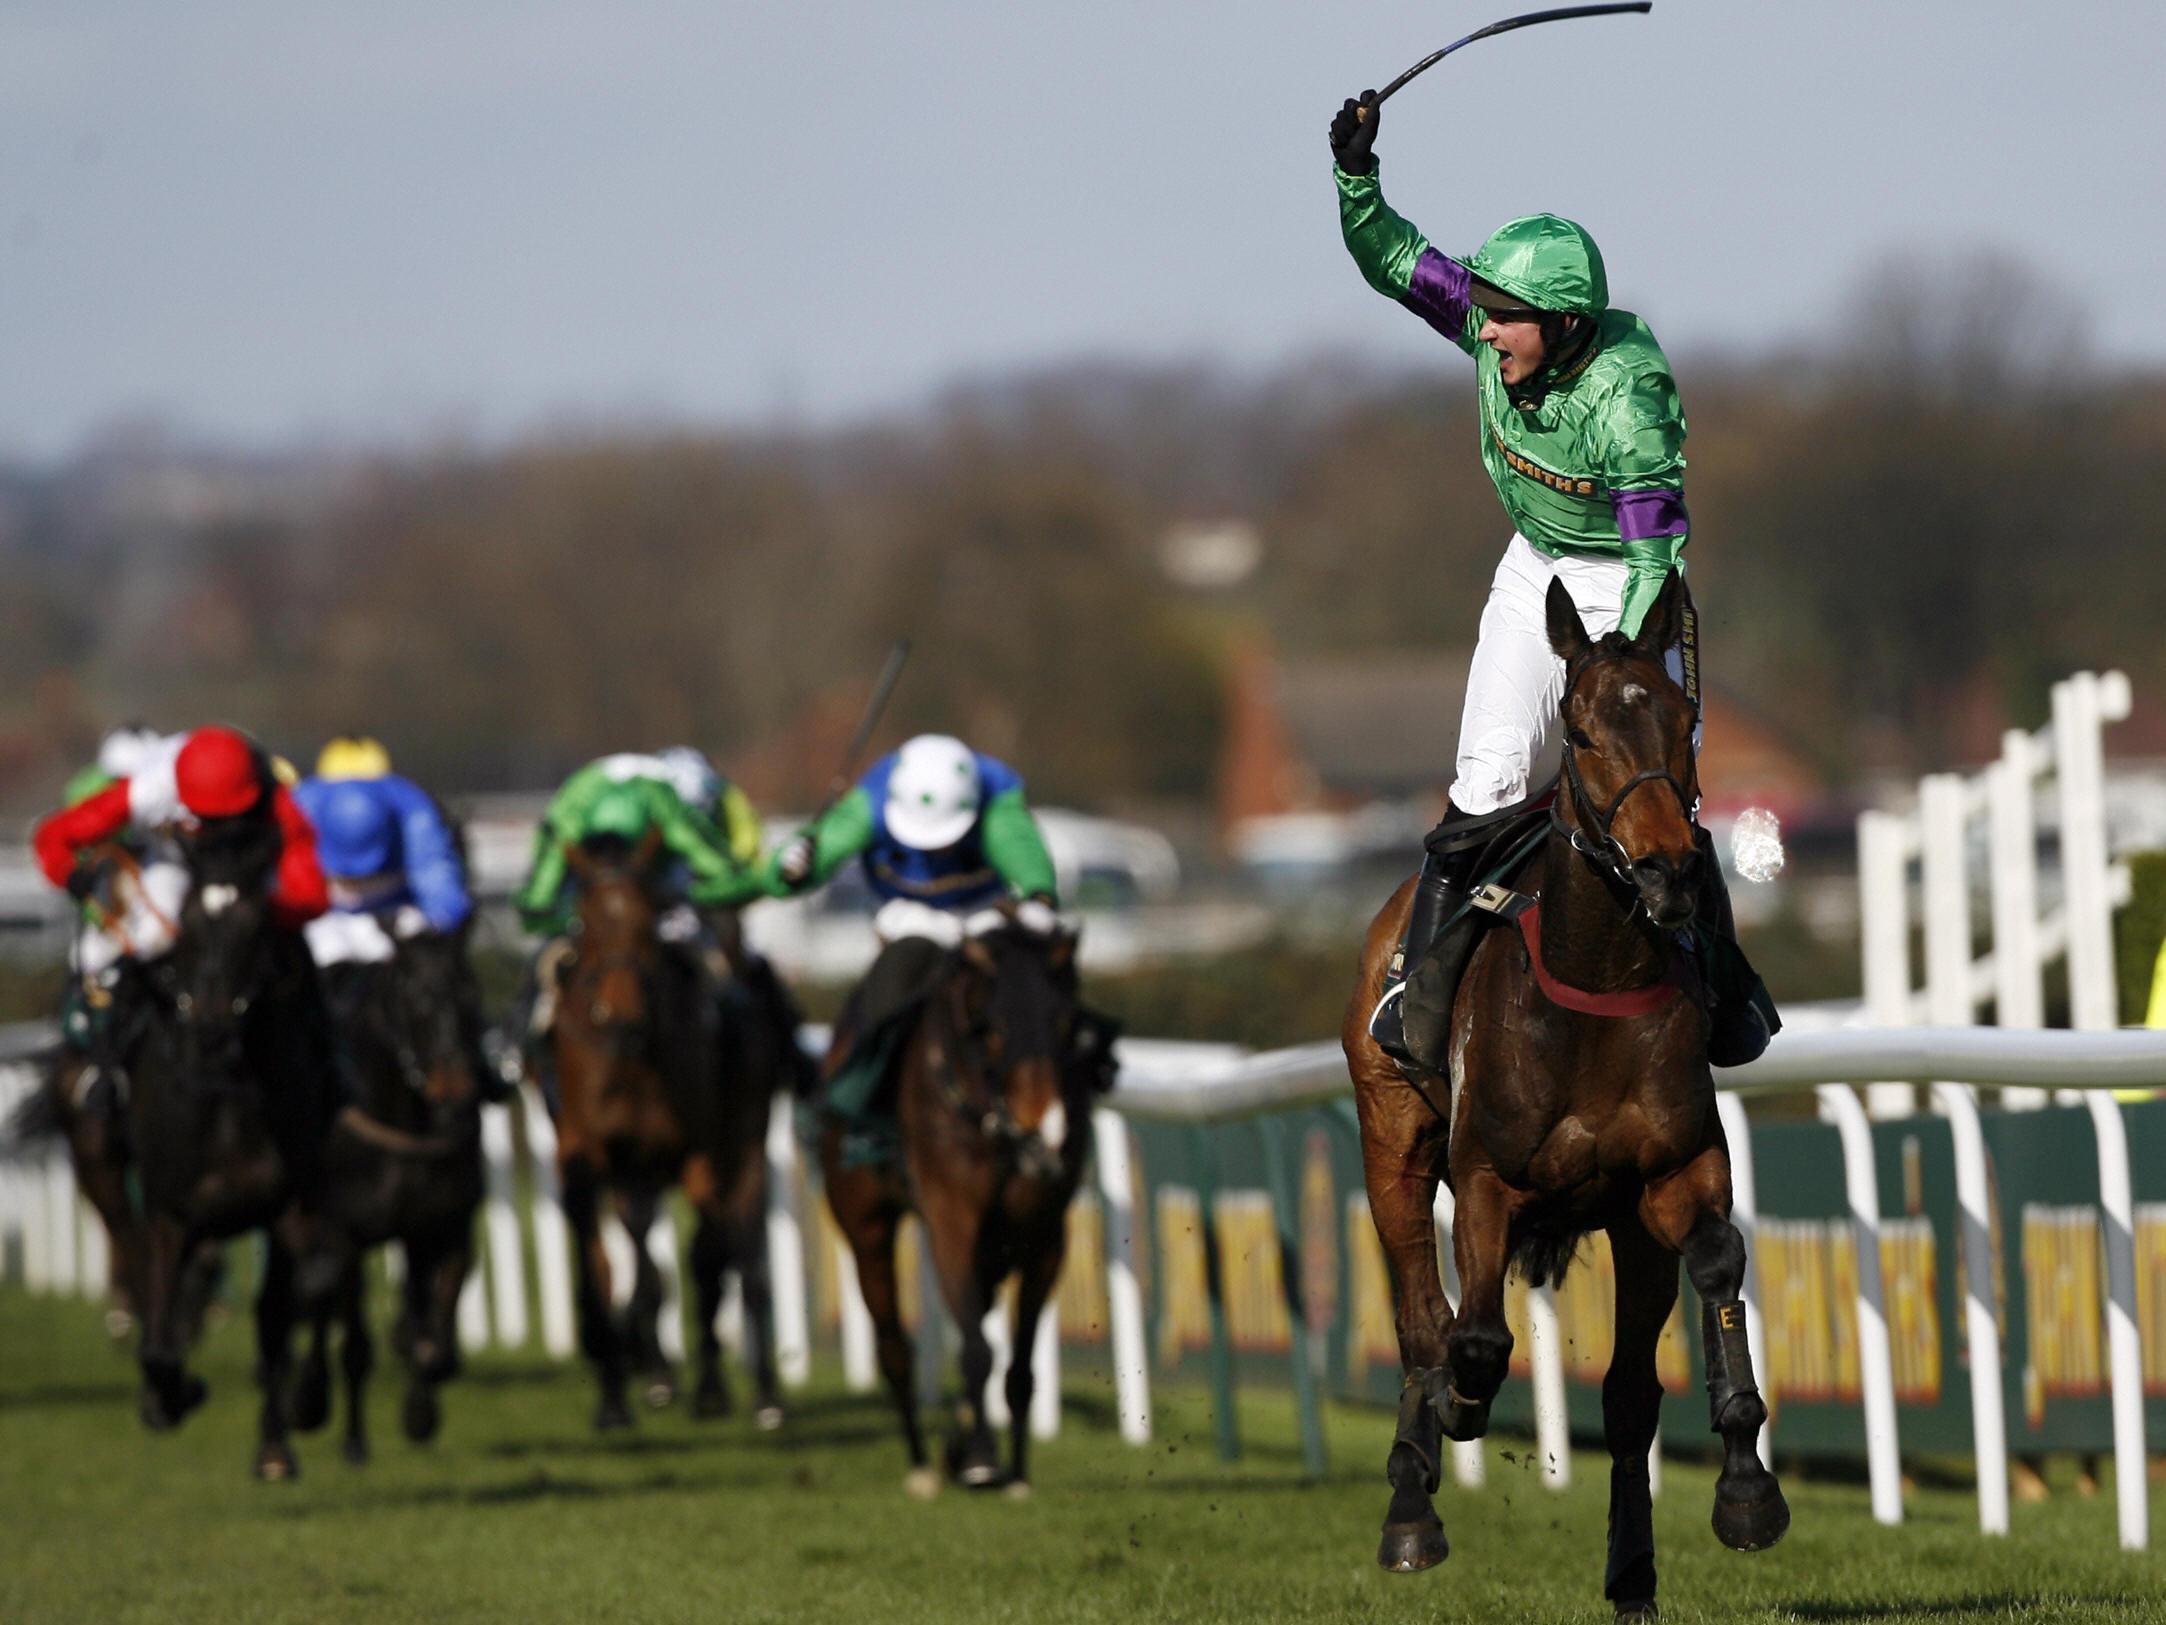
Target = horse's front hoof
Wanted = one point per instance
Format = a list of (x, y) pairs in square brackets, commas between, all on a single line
[(1016, 1489), (1637, 1613), (356, 1452), (660, 1393), (1750, 1513), (420, 1416), (1464, 1420), (164, 1406), (921, 1484), (612, 1414), (1408, 1548), (275, 1464), (768, 1418), (119, 1325)]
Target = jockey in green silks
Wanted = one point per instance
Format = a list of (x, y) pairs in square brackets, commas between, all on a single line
[(712, 838), (1583, 435)]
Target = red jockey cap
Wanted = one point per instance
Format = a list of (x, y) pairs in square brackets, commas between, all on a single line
[(217, 774)]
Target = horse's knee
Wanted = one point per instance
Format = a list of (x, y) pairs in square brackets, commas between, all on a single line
[(1715, 1258), (1479, 1356)]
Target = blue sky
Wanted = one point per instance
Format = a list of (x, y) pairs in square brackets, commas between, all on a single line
[(270, 221)]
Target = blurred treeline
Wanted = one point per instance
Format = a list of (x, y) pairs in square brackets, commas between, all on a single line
[(1901, 537)]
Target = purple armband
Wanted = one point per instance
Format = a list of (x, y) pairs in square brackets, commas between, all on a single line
[(1643, 514), (1440, 292)]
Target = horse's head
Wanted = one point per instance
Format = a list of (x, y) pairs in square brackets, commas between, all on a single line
[(1628, 761), (420, 1015), (608, 985), (1014, 1002), (223, 956)]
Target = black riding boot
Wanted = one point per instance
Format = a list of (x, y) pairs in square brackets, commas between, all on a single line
[(1442, 887), (1741, 1016)]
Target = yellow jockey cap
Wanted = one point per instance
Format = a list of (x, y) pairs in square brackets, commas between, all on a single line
[(353, 756)]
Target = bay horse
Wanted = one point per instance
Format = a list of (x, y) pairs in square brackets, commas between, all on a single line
[(995, 1117), (403, 1163), (661, 1084), (230, 1090), (1556, 1120)]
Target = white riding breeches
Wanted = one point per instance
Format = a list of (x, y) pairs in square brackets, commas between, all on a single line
[(1508, 734)]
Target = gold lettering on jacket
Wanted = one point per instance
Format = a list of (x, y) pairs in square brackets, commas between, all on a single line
[(1572, 485)]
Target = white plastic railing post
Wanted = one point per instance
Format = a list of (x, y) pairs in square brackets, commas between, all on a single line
[(663, 1249), (1982, 1337), (1946, 868), (95, 1248), (995, 1328), (60, 1199), (1124, 1287), (1552, 1424), (786, 1246), (552, 1235), (1045, 1373), (500, 1223), (1468, 1470), (473, 1307), (2018, 959), (2117, 1212), (860, 1356), (2079, 770), (1745, 1214), (1884, 933), (1876, 1365)]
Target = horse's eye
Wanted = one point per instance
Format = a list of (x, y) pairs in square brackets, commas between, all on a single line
[(1579, 739)]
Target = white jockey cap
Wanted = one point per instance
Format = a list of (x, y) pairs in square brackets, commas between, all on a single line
[(933, 793), (123, 752), (691, 775)]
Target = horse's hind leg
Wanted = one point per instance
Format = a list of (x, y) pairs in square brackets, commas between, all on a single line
[(1402, 1142), (1690, 1212), (640, 1210), (274, 1360), (1631, 1411), (357, 1358), (436, 1269)]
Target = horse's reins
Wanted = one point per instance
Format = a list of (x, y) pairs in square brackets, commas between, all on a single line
[(1605, 850)]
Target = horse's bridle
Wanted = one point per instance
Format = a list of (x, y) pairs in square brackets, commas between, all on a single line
[(1605, 849), (992, 1118)]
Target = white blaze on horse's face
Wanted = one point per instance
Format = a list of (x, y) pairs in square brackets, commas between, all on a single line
[(217, 899)]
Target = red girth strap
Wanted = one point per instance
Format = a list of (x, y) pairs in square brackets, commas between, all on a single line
[(1637, 1001)]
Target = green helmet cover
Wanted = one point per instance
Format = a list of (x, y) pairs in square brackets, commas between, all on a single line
[(620, 810), (1548, 261)]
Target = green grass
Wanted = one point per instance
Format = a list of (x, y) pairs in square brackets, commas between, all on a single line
[(519, 1513)]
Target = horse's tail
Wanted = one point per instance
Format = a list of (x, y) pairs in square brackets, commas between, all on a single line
[(1543, 1253), (39, 1116)]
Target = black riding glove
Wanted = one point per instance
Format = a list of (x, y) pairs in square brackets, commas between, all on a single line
[(1353, 135), (83, 882)]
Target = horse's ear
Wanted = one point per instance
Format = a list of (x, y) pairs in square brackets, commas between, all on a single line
[(1060, 950), (649, 848), (978, 956), (1665, 620), (576, 860), (1567, 632)]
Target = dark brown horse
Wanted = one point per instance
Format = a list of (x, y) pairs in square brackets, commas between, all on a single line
[(661, 1085), (229, 1097), (404, 1164), (1556, 1121), (994, 1100)]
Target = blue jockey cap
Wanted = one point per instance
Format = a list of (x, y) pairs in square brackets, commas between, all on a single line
[(357, 830)]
